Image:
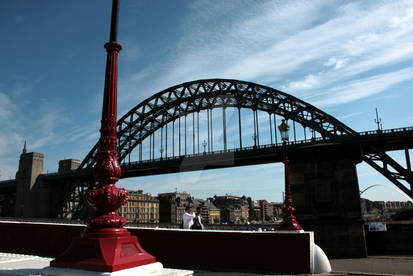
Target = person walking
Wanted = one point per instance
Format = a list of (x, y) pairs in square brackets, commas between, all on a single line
[(188, 217)]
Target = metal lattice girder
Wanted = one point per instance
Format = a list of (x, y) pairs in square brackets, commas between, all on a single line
[(180, 100), (388, 167), (177, 101)]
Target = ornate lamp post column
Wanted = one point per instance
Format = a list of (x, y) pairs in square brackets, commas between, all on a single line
[(106, 245), (107, 198), (289, 222)]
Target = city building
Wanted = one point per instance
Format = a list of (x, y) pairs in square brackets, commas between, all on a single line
[(277, 209), (214, 215), (397, 204), (368, 206), (266, 210), (233, 209), (172, 206), (257, 211), (210, 213), (141, 208), (251, 203)]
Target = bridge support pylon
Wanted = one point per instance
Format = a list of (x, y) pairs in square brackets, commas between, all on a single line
[(326, 196)]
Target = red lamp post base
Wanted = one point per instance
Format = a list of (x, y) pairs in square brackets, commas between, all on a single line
[(290, 224), (106, 250)]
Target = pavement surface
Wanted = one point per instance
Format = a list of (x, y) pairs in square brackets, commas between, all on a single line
[(375, 265), (19, 264)]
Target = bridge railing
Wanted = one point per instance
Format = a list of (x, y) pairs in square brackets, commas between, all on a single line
[(274, 146), (217, 152), (385, 131)]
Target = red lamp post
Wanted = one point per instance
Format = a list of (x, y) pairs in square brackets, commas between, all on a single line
[(289, 222), (106, 245)]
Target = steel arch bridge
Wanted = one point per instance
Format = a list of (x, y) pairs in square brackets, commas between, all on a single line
[(174, 103)]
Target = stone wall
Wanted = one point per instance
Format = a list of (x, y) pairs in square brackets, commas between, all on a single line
[(327, 199), (397, 240)]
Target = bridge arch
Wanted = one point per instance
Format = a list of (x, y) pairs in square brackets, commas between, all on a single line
[(177, 101)]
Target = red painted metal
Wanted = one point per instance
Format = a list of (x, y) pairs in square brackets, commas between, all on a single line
[(287, 253), (106, 245), (289, 222), (106, 249)]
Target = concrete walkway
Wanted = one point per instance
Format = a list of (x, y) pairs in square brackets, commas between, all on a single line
[(19, 264), (375, 265), (371, 266)]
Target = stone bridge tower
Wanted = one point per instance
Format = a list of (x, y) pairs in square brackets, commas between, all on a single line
[(326, 195), (30, 167)]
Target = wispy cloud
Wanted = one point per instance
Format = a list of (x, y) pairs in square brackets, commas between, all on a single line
[(131, 51), (354, 114), (6, 107), (361, 88), (334, 50), (309, 82)]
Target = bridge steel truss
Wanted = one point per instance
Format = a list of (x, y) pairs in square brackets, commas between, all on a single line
[(178, 101)]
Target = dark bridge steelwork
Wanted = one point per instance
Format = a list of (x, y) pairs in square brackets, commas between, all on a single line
[(391, 139), (174, 105), (192, 97), (368, 142)]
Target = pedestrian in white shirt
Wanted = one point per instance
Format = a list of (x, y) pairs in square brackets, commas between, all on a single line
[(188, 217)]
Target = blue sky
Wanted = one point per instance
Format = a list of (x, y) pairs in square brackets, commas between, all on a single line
[(345, 57)]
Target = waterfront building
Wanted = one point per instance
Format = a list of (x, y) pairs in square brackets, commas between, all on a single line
[(210, 213), (172, 206), (266, 210), (233, 209), (141, 208)]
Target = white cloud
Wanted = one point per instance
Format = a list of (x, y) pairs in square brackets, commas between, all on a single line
[(403, 21), (336, 63), (7, 171), (266, 44), (329, 52), (131, 51), (309, 82), (354, 114), (49, 121), (10, 141), (365, 87), (6, 107)]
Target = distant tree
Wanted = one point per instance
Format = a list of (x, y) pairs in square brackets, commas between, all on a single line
[(405, 213)]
